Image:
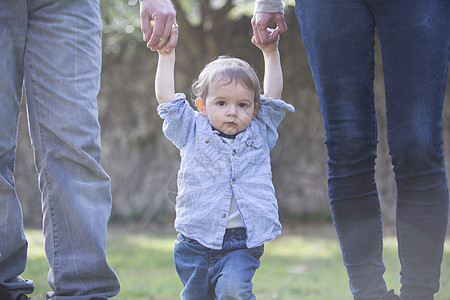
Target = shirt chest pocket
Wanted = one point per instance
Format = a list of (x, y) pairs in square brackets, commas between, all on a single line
[(207, 149), (255, 151)]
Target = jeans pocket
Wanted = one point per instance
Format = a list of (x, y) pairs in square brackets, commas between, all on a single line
[(185, 242)]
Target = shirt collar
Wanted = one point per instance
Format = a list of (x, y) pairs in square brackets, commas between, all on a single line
[(221, 134)]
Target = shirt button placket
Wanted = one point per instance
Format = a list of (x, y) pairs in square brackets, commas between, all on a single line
[(234, 152)]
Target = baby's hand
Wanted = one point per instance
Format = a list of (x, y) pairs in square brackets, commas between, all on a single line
[(267, 48), (170, 44), (164, 51)]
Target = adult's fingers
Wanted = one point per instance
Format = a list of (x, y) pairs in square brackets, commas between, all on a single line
[(173, 39), (164, 37), (159, 29), (259, 29), (272, 35), (146, 26), (281, 22)]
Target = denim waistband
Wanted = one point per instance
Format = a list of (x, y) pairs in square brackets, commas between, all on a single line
[(234, 238), (239, 233)]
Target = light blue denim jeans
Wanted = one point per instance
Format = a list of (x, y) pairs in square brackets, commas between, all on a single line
[(55, 47), (414, 36), (225, 274)]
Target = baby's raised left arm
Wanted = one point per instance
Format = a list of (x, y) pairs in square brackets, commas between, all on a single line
[(273, 75)]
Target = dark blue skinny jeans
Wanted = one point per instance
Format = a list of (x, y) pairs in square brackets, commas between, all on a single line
[(414, 36)]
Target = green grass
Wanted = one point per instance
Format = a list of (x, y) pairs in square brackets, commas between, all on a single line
[(303, 263)]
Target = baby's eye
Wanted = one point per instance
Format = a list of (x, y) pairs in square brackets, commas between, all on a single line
[(243, 105), (221, 103)]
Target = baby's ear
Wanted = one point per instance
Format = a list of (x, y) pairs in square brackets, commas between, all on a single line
[(201, 105), (255, 110)]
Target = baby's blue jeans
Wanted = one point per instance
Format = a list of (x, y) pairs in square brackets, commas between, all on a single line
[(414, 35), (217, 274)]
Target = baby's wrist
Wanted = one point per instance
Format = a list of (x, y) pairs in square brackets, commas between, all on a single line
[(164, 52), (271, 52), (167, 57)]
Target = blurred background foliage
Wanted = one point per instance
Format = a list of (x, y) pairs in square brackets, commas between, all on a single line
[(142, 164)]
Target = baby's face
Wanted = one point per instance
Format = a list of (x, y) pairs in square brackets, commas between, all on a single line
[(230, 107)]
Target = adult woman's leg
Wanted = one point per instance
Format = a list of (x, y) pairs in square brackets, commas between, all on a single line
[(339, 39), (414, 37)]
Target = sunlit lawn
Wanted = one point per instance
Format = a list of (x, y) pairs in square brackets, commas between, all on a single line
[(303, 263)]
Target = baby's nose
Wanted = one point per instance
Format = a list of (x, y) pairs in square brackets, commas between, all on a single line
[(231, 110)]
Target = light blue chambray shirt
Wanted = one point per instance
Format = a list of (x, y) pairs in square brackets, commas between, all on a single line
[(211, 172)]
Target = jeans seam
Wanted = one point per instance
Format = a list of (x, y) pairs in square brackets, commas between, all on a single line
[(41, 145)]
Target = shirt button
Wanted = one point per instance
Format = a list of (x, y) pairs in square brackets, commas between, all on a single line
[(233, 180), (224, 215), (234, 152), (207, 141)]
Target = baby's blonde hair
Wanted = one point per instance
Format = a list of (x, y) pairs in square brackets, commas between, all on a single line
[(226, 70)]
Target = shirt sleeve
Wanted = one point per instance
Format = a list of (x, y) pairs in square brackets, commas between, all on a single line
[(269, 6), (179, 118), (270, 113)]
